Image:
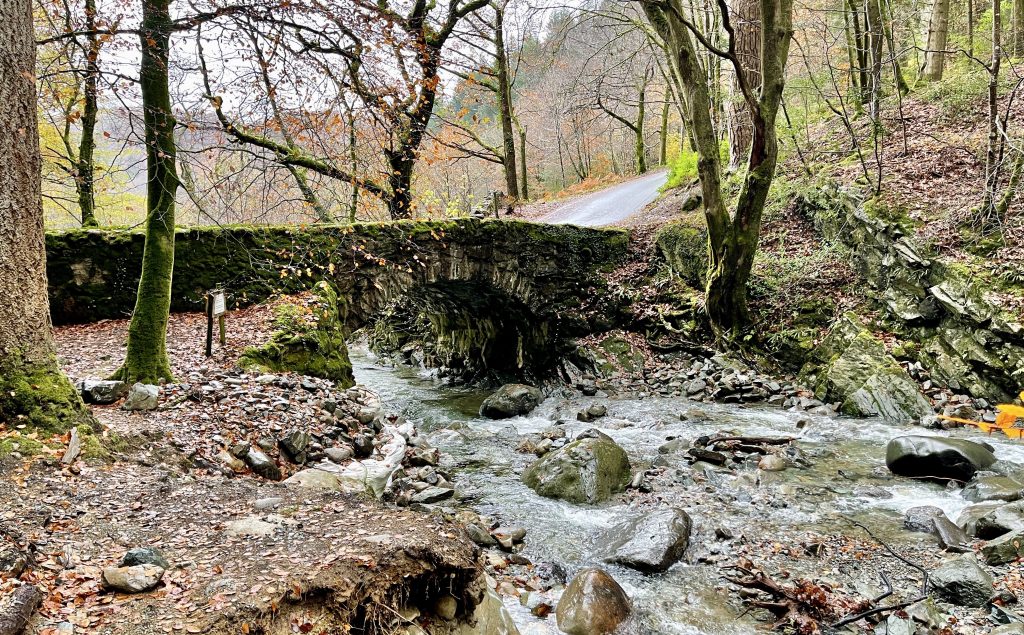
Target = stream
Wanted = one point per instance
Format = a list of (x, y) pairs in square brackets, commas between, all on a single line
[(846, 477)]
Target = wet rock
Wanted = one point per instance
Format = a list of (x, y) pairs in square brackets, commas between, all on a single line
[(479, 535), (592, 604), (991, 520), (511, 400), (1006, 548), (938, 458), (920, 518), (101, 392), (588, 388), (537, 603), (962, 581), (490, 617), (142, 397), (772, 463), (262, 464), (949, 535), (144, 555), (595, 411), (588, 470), (433, 495), (135, 579), (993, 488), (652, 542)]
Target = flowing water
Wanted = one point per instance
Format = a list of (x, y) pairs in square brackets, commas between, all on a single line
[(843, 479)]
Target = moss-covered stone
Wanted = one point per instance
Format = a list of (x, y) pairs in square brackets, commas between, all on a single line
[(23, 445), (684, 247), (588, 470), (310, 339)]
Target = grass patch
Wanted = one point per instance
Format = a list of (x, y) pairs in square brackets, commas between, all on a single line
[(683, 168)]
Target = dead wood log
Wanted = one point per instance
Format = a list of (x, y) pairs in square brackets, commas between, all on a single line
[(17, 610)]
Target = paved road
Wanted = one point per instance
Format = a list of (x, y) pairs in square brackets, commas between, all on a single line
[(609, 205)]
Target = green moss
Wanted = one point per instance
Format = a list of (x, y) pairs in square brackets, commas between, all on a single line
[(39, 396), (23, 445), (685, 250), (310, 340)]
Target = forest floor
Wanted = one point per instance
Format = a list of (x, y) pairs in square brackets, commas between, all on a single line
[(245, 554)]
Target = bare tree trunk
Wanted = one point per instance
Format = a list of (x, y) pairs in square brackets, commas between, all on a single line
[(638, 130), (875, 42), (861, 49), (746, 24), (146, 358), (897, 68), (992, 155), (33, 391), (938, 29), (1018, 28)]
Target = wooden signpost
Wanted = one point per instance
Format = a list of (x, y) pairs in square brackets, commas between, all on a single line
[(216, 307)]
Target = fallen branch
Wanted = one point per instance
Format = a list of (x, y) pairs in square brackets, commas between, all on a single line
[(15, 614)]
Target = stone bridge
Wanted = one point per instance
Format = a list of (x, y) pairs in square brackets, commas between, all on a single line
[(506, 294)]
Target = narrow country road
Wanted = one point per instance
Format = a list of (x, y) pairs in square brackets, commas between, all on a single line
[(609, 205)]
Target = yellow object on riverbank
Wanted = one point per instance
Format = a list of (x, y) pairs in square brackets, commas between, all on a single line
[(1006, 420)]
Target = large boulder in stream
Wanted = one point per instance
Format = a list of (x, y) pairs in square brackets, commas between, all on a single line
[(511, 400), (991, 520), (938, 458), (592, 604), (993, 488), (652, 542), (589, 470), (852, 367)]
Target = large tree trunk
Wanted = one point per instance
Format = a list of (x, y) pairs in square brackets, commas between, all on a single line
[(1018, 28), (938, 29), (746, 24), (146, 358), (732, 237), (663, 138), (85, 179), (508, 139), (33, 391)]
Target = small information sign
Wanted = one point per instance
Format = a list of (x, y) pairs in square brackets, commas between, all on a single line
[(216, 307)]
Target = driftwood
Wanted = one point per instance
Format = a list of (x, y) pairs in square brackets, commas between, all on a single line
[(16, 611)]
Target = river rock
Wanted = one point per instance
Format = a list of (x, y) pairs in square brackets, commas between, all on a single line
[(939, 458), (920, 518), (433, 495), (853, 368), (592, 412), (771, 463), (338, 455), (592, 604), (314, 478), (101, 391), (12, 561), (652, 542), (144, 555), (962, 581), (588, 470), (1006, 548), (294, 445), (135, 579), (490, 617), (949, 535), (262, 464), (511, 400), (142, 397), (991, 520), (993, 488), (1009, 629)]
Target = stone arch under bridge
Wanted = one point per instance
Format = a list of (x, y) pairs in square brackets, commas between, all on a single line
[(504, 294)]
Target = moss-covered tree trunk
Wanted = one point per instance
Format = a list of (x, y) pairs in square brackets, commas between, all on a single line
[(524, 186), (508, 140), (732, 237), (638, 130), (146, 358), (85, 177), (33, 390)]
